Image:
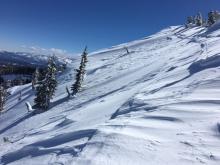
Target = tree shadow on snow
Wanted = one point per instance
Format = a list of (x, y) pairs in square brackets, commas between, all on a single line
[(26, 116), (48, 146)]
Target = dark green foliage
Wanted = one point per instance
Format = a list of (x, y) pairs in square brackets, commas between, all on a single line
[(42, 98), (23, 75), (80, 73), (194, 21), (213, 16), (14, 69), (46, 86), (190, 20)]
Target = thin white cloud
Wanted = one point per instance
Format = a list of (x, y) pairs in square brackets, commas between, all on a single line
[(44, 51), (58, 51)]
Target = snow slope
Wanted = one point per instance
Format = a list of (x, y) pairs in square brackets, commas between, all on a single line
[(160, 104)]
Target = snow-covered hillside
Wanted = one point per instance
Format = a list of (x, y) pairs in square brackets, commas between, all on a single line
[(159, 104)]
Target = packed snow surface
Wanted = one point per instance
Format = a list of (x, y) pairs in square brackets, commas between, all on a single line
[(159, 104)]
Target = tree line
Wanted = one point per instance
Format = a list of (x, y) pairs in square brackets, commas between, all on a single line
[(46, 86), (200, 20), (44, 83)]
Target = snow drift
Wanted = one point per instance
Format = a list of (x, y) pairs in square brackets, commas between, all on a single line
[(159, 104)]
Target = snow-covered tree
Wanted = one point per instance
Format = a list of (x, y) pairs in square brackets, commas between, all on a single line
[(199, 19), (213, 16), (211, 19), (35, 78), (85, 60), (46, 87), (3, 95), (80, 73), (204, 22), (190, 20)]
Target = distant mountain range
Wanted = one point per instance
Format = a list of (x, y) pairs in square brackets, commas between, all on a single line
[(26, 59)]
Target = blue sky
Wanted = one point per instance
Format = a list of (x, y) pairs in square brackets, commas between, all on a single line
[(71, 24)]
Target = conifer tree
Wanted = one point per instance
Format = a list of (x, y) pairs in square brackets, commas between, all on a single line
[(46, 87), (85, 60), (190, 20), (76, 87), (35, 78), (211, 18), (3, 94), (199, 19), (51, 76)]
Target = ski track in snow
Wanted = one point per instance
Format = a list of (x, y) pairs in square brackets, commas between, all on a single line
[(159, 104)]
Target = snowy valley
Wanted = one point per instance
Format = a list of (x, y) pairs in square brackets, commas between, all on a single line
[(157, 104)]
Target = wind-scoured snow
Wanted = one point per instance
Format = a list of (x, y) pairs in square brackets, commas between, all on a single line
[(159, 104)]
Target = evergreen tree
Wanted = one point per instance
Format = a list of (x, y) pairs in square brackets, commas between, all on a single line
[(46, 87), (3, 95), (35, 78), (194, 20), (190, 20), (199, 19), (85, 60), (76, 87), (51, 76), (204, 22), (213, 16)]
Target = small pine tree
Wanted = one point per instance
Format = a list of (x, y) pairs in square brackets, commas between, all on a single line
[(35, 78), (46, 87), (3, 95), (204, 22), (189, 20), (76, 87), (85, 60), (194, 20), (51, 77), (199, 19), (211, 18)]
